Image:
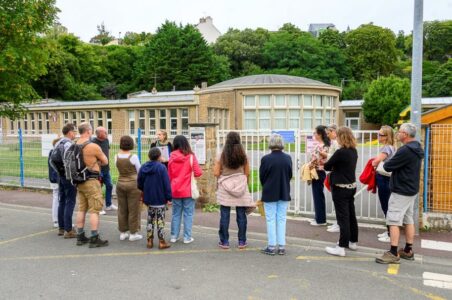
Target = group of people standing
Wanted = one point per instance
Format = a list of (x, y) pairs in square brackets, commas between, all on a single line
[(166, 180)]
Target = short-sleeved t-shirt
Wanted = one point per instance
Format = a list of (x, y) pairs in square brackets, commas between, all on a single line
[(389, 150)]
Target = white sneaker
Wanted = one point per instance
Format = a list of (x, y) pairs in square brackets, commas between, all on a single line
[(353, 246), (314, 223), (111, 207), (338, 251), (188, 241), (173, 239), (102, 212), (135, 237), (385, 239), (55, 224), (383, 234), (333, 228), (123, 236)]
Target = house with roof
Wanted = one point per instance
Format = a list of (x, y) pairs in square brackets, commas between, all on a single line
[(316, 28)]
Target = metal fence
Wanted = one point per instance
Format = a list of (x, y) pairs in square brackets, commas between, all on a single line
[(438, 169), (256, 144), (23, 158)]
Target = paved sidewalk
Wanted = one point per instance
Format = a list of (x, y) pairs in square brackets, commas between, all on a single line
[(296, 227)]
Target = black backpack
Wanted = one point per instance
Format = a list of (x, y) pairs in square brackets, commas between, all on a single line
[(53, 172), (56, 157), (74, 165)]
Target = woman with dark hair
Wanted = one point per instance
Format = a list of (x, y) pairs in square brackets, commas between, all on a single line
[(232, 171), (181, 164), (317, 162), (164, 145), (127, 192), (343, 188)]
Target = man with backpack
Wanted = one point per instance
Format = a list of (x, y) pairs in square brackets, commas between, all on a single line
[(67, 192), (101, 139), (85, 172)]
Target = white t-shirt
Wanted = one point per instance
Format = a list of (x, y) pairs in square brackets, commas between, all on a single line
[(133, 160)]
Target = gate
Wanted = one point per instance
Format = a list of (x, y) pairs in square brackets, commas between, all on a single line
[(256, 146)]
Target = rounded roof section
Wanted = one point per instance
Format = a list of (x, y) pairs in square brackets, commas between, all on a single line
[(269, 80)]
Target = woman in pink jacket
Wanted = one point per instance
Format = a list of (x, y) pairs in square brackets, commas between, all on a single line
[(179, 170)]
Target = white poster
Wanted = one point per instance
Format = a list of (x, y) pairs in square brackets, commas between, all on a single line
[(311, 143), (46, 143), (198, 143), (165, 153)]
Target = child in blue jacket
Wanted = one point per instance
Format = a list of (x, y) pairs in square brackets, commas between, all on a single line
[(153, 180)]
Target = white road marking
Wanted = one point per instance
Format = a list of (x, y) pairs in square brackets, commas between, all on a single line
[(438, 280), (436, 245)]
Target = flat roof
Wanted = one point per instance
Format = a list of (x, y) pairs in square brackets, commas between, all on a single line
[(425, 101)]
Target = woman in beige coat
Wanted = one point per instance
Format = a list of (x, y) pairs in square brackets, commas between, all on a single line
[(232, 170)]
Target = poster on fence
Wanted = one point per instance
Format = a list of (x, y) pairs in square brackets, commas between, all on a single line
[(165, 152), (198, 143), (46, 143), (311, 143)]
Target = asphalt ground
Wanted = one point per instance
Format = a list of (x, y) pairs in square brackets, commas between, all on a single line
[(37, 264)]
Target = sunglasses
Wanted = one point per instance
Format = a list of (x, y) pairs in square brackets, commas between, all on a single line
[(382, 134)]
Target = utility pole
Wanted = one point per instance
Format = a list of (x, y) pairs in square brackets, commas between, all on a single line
[(416, 84)]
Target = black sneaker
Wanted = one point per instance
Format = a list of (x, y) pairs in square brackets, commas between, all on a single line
[(82, 239), (95, 242), (281, 251), (268, 251)]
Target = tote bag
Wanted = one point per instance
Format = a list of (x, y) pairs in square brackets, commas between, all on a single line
[(194, 185)]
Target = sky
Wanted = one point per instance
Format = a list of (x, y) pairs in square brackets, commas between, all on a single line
[(81, 17)]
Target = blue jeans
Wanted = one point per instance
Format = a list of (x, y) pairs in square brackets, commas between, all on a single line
[(185, 206), (319, 198), (225, 214), (66, 203), (383, 191), (106, 179), (275, 215)]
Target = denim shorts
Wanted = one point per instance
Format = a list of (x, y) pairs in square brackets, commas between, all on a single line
[(400, 210)]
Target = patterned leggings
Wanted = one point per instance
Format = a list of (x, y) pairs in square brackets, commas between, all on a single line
[(156, 216)]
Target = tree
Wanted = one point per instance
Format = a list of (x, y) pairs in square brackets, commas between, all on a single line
[(354, 90), (385, 99), (178, 56), (332, 37), (136, 39), (371, 52), (440, 83), (438, 40), (242, 48), (22, 50), (103, 37)]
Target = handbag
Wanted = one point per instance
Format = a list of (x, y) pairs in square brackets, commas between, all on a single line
[(194, 185), (382, 171)]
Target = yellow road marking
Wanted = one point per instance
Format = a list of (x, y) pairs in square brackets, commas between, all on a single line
[(393, 269), (335, 258), (26, 236), (118, 254), (272, 276)]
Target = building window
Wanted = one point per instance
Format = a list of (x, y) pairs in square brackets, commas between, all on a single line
[(91, 118), (307, 101), (264, 101), (100, 121), (163, 119), (11, 128), (108, 121), (328, 117), (74, 118), (152, 122), (318, 118), (264, 119), (352, 120), (280, 101), (141, 120), (65, 118), (280, 119), (250, 101), (294, 119), (47, 120), (318, 101), (250, 119), (294, 101), (307, 119), (40, 123), (33, 125), (82, 117), (132, 122), (184, 118), (173, 121)]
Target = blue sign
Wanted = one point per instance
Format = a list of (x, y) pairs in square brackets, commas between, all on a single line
[(287, 135)]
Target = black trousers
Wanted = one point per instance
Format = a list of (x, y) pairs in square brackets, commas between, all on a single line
[(344, 204)]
